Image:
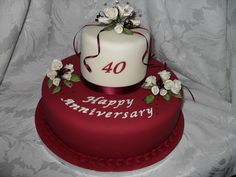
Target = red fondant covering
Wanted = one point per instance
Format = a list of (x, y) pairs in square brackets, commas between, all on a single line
[(119, 137)]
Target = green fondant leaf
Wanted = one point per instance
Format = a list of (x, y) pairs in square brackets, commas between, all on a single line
[(147, 87), (109, 28), (75, 78), (68, 83), (127, 31), (149, 99), (101, 24), (50, 82), (144, 86), (56, 89), (179, 95), (167, 97)]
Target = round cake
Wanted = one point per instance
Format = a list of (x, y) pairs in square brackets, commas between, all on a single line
[(120, 57), (108, 132)]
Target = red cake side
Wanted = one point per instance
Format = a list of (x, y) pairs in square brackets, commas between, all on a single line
[(111, 126)]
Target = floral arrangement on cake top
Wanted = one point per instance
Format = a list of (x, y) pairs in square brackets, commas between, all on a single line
[(59, 73), (164, 86), (121, 18)]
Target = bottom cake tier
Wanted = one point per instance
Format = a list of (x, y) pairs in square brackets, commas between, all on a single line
[(108, 132)]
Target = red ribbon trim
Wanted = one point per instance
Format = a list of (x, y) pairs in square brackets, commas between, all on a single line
[(78, 54), (99, 48), (190, 92), (111, 90), (74, 46), (151, 55), (93, 56), (147, 46)]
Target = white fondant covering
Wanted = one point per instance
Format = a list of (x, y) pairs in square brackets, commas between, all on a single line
[(115, 48)]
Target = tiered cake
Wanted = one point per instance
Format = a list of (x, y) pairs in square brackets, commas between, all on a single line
[(111, 109)]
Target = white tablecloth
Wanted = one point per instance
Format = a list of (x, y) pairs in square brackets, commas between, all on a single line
[(197, 39)]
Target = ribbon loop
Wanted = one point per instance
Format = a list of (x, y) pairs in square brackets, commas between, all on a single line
[(99, 48)]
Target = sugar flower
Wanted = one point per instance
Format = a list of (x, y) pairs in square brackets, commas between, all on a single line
[(176, 87), (119, 28), (104, 20), (168, 84), (164, 87), (56, 65), (135, 22), (51, 74), (155, 90), (121, 18), (150, 80), (56, 81), (165, 75), (125, 10), (163, 92), (67, 76), (61, 74), (111, 13)]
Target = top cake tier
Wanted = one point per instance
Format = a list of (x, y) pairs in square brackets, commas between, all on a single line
[(114, 60)]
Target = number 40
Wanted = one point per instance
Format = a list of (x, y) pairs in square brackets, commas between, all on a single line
[(118, 68)]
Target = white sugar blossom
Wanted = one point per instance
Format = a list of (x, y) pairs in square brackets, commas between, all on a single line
[(111, 13), (121, 9), (56, 81), (135, 22), (176, 86), (56, 65), (67, 76), (119, 28), (155, 90), (51, 74), (168, 84), (128, 10), (165, 75), (104, 20), (70, 67), (125, 10), (163, 92), (150, 80)]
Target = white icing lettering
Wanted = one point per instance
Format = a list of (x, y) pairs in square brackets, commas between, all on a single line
[(92, 111), (83, 110), (120, 103), (129, 102), (100, 113), (68, 101), (92, 99), (150, 112), (134, 114), (108, 114), (125, 115), (74, 106), (110, 103), (141, 112), (116, 114), (103, 102)]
